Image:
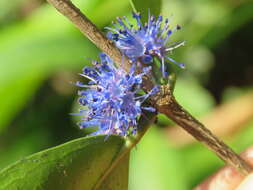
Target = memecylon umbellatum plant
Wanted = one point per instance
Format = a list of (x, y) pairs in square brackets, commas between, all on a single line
[(110, 100), (140, 45), (144, 42)]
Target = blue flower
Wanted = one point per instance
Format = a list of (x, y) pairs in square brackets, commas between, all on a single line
[(143, 42), (110, 100)]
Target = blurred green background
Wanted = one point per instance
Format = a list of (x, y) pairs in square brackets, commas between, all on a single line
[(41, 53)]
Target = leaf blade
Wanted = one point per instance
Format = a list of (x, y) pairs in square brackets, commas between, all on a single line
[(74, 165)]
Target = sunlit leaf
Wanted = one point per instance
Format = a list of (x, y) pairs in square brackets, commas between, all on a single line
[(76, 165)]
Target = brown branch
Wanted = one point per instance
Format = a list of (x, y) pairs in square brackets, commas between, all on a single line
[(164, 101), (168, 105), (225, 120), (68, 9)]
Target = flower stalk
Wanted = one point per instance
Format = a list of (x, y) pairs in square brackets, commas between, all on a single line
[(164, 101)]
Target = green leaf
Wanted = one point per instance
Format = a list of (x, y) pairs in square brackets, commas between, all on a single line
[(76, 165), (24, 144), (143, 6), (118, 179)]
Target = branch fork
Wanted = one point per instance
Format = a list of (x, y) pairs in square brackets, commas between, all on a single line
[(164, 101)]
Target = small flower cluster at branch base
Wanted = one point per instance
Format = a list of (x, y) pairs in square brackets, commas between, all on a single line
[(145, 41), (111, 99)]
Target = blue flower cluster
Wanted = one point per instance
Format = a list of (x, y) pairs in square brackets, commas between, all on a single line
[(110, 100), (143, 42)]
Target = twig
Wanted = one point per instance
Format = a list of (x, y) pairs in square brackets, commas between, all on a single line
[(164, 101), (68, 9), (225, 120), (74, 14), (169, 106)]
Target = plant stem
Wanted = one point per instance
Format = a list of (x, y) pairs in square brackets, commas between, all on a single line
[(132, 5), (224, 120), (168, 105), (68, 9), (164, 101)]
